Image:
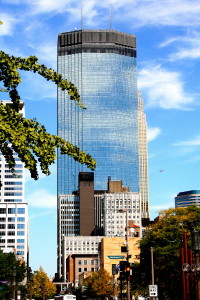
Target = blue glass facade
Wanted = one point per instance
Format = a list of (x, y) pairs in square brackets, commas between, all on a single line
[(103, 68), (185, 199)]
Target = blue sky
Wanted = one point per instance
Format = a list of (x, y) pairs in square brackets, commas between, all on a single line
[(168, 63)]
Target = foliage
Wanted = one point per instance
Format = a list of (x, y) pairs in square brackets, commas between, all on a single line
[(99, 284), (165, 236), (42, 285), (8, 262), (27, 137)]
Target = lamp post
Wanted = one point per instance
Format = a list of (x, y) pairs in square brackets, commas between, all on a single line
[(43, 284), (196, 267), (14, 282), (191, 266), (127, 251), (30, 280)]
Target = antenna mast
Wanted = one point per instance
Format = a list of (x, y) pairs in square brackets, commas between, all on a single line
[(81, 14), (110, 5)]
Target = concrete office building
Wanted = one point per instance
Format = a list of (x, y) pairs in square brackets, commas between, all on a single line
[(13, 209), (143, 158), (115, 221), (80, 227), (188, 198), (80, 254)]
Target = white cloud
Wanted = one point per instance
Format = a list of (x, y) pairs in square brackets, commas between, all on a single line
[(164, 88), (41, 198), (153, 133), (193, 142), (188, 47), (162, 206), (47, 54), (8, 23), (175, 13)]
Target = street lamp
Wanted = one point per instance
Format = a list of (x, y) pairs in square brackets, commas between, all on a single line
[(43, 284), (29, 281), (14, 281), (195, 241), (127, 251)]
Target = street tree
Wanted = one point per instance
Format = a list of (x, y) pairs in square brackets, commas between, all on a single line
[(12, 273), (99, 284), (42, 286), (28, 138), (165, 237)]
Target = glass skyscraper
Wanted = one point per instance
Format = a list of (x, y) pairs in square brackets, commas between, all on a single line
[(102, 65)]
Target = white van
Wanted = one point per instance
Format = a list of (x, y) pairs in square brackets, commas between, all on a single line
[(65, 297)]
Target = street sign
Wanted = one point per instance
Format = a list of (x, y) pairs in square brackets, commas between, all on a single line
[(153, 290), (116, 256)]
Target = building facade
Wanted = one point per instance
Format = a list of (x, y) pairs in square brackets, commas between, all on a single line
[(102, 65), (115, 206), (13, 209), (188, 198), (143, 158)]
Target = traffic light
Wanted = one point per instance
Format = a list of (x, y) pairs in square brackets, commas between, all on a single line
[(128, 269), (114, 269)]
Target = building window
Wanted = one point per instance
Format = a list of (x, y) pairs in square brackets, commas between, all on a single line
[(20, 252), (85, 262), (20, 240), (20, 232), (92, 269), (11, 241), (2, 210), (2, 226), (21, 219), (92, 262), (85, 269), (21, 210), (11, 233), (20, 226), (20, 246), (79, 262), (11, 210), (79, 269), (11, 226), (11, 219)]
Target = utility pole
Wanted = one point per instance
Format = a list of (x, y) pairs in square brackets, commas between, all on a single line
[(127, 257), (152, 269)]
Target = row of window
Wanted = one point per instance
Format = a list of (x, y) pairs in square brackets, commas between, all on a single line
[(12, 183), (2, 233), (12, 210), (13, 219), (13, 246), (15, 188), (13, 200), (85, 262), (86, 269), (12, 226), (13, 194)]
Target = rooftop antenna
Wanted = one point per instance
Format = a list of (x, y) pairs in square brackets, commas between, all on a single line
[(110, 5), (81, 14)]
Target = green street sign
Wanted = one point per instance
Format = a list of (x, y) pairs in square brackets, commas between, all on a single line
[(116, 256)]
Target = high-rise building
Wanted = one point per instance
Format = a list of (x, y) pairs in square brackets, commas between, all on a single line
[(102, 65), (13, 209), (188, 198), (143, 158)]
